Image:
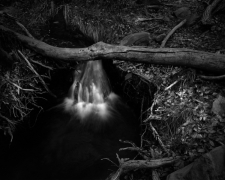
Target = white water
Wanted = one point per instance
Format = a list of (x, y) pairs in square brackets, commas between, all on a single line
[(90, 97)]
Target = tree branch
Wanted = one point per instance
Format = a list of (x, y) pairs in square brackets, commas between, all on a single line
[(165, 56)]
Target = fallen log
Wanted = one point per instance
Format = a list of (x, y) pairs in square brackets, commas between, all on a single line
[(165, 56)]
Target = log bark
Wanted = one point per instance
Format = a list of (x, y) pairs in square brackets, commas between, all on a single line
[(165, 56)]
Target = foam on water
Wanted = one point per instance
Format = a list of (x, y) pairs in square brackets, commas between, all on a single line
[(90, 97)]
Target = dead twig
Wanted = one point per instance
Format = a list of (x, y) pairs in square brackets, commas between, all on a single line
[(126, 166), (8, 129), (157, 137), (43, 65), (148, 19), (20, 88), (19, 24), (35, 72), (221, 77), (141, 151), (208, 12), (171, 32), (171, 85)]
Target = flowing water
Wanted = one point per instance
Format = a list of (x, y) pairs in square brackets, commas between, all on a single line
[(78, 138)]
